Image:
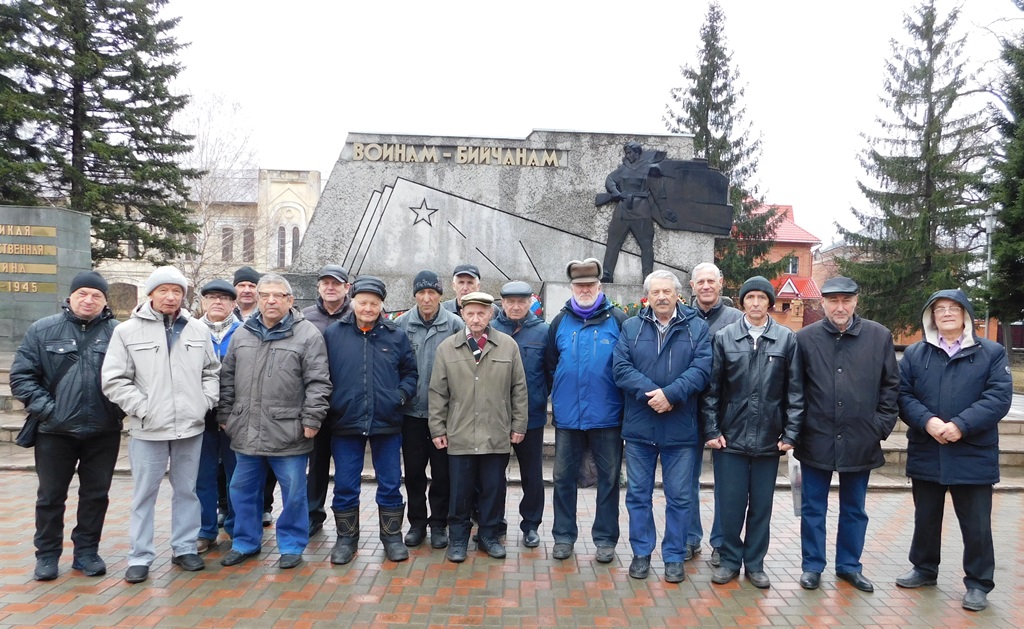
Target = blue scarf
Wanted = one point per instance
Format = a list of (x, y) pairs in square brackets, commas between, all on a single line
[(586, 313)]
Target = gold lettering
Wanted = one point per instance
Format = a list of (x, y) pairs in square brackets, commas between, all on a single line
[(550, 159), (533, 159), (357, 151), (461, 155), (12, 249), (28, 287), (429, 154)]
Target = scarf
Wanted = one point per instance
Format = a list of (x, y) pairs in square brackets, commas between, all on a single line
[(586, 313), (219, 329)]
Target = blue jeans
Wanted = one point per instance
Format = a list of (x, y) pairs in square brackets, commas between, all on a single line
[(349, 451), (696, 533), (853, 519), (606, 444), (246, 492), (676, 469), (216, 448)]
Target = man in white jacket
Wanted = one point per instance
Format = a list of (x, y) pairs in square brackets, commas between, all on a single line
[(161, 369)]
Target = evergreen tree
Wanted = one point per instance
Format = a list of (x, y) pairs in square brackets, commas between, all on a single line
[(926, 184), (20, 150), (710, 107), (98, 72)]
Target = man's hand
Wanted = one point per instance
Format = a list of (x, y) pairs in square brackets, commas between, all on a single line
[(517, 437), (937, 429), (440, 442), (308, 432), (951, 432), (784, 447), (717, 443), (658, 401)]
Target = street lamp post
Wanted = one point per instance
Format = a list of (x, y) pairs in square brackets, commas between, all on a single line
[(990, 225)]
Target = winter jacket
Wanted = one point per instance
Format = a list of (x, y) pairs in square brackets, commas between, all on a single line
[(424, 342), (318, 315), (77, 407), (718, 316), (679, 365), (478, 405), (756, 395), (579, 358), (851, 383), (973, 389), (532, 339), (374, 374), (165, 386), (273, 384)]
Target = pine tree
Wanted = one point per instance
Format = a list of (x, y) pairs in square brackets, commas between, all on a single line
[(99, 73), (20, 150), (710, 107), (926, 183)]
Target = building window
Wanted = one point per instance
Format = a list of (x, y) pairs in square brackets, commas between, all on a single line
[(793, 265), (192, 242), (227, 244), (249, 244), (281, 245), (295, 243)]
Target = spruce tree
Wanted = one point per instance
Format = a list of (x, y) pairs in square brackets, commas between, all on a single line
[(99, 72), (925, 179), (710, 107), (20, 146)]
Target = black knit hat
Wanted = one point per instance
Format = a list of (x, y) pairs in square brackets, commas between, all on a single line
[(246, 274), (427, 279), (369, 284), (759, 283), (90, 279)]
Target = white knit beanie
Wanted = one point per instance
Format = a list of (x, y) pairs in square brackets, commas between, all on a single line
[(166, 275)]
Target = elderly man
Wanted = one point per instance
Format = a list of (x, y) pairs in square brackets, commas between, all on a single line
[(706, 283), (954, 389), (531, 335), (332, 303), (426, 325), (662, 363), (161, 369), (850, 389), (218, 304), (478, 407), (274, 390), (56, 375), (587, 407), (373, 370), (751, 414), (465, 280)]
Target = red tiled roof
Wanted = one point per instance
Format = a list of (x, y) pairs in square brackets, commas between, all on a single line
[(788, 230), (792, 286)]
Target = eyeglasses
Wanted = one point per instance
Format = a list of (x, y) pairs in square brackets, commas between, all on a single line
[(218, 297), (941, 310), (277, 296)]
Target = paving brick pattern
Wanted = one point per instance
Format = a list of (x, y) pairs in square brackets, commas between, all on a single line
[(528, 589)]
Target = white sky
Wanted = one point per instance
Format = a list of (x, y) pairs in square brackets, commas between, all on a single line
[(308, 72)]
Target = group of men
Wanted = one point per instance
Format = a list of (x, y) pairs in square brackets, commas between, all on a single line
[(458, 386)]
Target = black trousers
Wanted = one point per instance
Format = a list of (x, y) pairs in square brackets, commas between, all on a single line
[(468, 471), (973, 506), (530, 454), (319, 476), (643, 231), (268, 490), (745, 494), (57, 457), (417, 451)]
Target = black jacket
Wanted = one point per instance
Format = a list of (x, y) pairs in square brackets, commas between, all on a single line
[(756, 395), (78, 407), (318, 315), (851, 383)]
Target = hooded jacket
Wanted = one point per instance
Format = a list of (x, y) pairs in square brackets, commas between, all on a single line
[(972, 388), (424, 341), (679, 365), (163, 372), (531, 335), (77, 407)]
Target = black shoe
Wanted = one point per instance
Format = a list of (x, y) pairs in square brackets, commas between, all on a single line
[(674, 572), (691, 551), (415, 536), (605, 554), (531, 539), (190, 562), (640, 567), (289, 561), (810, 580), (457, 552), (857, 580), (974, 600), (562, 550), (315, 527), (759, 579), (268, 519), (234, 557), (716, 557), (493, 548), (90, 565), (438, 537), (136, 574), (915, 579), (722, 575), (46, 569)]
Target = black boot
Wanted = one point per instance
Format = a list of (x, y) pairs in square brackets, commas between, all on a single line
[(348, 536), (391, 519)]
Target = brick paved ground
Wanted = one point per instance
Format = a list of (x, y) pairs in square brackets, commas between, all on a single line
[(529, 589)]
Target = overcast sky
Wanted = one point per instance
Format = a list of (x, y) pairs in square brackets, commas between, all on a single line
[(308, 72)]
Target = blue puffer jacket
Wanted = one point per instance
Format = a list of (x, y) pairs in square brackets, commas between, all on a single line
[(973, 389), (579, 357), (681, 368), (532, 339), (373, 373)]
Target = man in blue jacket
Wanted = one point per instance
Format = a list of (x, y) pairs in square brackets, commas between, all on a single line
[(531, 334), (587, 408), (954, 390), (662, 364)]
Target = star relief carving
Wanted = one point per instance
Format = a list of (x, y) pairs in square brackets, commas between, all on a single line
[(423, 213)]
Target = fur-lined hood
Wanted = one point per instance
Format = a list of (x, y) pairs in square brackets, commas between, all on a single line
[(931, 331)]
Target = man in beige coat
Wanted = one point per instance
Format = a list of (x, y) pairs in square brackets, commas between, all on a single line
[(478, 409)]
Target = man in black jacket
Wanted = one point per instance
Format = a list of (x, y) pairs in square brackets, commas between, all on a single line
[(56, 374), (850, 389)]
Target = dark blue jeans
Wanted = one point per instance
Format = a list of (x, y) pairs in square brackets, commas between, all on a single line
[(530, 454), (470, 472), (606, 444), (853, 519), (696, 533), (676, 467), (216, 448), (349, 451)]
